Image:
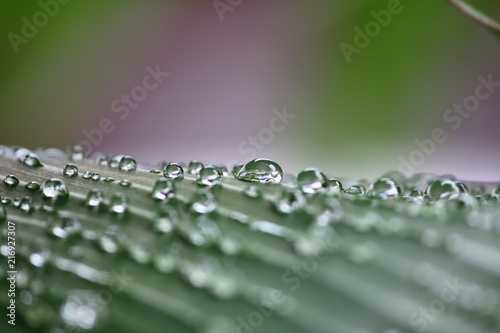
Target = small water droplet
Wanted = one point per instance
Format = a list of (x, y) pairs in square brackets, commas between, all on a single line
[(311, 181), (108, 179), (95, 198), (253, 192), (173, 171), (114, 161), (166, 221), (83, 310), (384, 188), (163, 189), (28, 158), (114, 239), (209, 176), (87, 175), (443, 189), (167, 258), (119, 203), (261, 170), (355, 189), (141, 251), (77, 153), (194, 167), (125, 183), (33, 186), (290, 201), (334, 186), (27, 205), (203, 202), (155, 171), (55, 190), (65, 225), (40, 254), (127, 163), (11, 181)]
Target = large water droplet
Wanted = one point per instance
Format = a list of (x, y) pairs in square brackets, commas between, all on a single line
[(209, 176), (203, 202), (55, 190), (384, 188), (11, 181), (163, 189), (311, 181), (127, 163), (173, 171), (261, 170), (443, 189), (119, 203)]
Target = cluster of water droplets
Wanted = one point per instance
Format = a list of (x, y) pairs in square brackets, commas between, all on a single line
[(192, 207)]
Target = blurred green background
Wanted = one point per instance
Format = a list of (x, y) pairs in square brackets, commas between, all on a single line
[(229, 68)]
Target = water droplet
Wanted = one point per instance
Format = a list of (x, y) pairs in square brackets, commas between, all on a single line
[(237, 168), (173, 171), (333, 186), (290, 201), (114, 239), (65, 225), (163, 189), (203, 202), (87, 175), (443, 189), (167, 220), (27, 205), (114, 162), (356, 189), (384, 188), (127, 163), (11, 181), (311, 181), (55, 190), (167, 258), (95, 198), (108, 179), (33, 186), (83, 310), (141, 251), (28, 158), (95, 176), (125, 183), (209, 176), (77, 153), (261, 170), (194, 167), (253, 192), (40, 254), (155, 171), (119, 203)]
